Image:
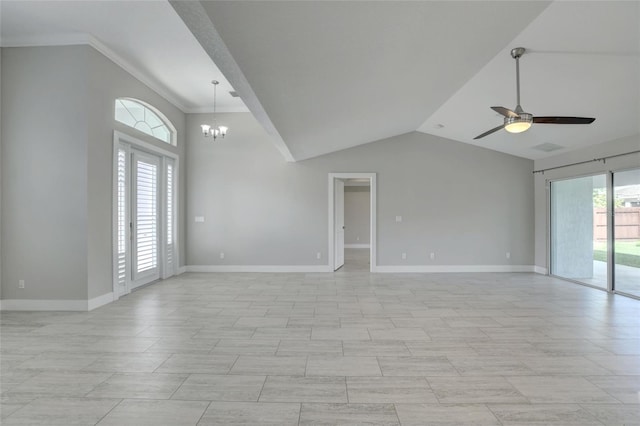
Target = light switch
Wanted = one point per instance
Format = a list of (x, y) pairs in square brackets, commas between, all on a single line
[(398, 218), (199, 218)]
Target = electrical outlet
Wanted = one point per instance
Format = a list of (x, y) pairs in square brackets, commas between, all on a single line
[(508, 255), (199, 219), (398, 218), (21, 284), (357, 238), (318, 255), (404, 256), (221, 255), (432, 256)]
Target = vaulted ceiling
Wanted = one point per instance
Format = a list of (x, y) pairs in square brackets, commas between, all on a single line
[(582, 59), (322, 76)]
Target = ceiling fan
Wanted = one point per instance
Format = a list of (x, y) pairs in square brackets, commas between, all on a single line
[(517, 121)]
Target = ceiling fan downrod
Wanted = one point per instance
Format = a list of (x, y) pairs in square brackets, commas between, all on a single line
[(516, 53)]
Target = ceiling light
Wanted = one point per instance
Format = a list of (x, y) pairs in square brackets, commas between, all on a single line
[(213, 129), (518, 124)]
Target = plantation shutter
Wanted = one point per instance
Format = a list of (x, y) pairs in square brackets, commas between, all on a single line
[(170, 218), (122, 222), (146, 216)]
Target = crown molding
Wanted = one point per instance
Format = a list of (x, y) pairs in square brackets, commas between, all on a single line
[(68, 39), (209, 110), (73, 39)]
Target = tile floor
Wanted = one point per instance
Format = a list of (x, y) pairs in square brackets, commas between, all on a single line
[(343, 348)]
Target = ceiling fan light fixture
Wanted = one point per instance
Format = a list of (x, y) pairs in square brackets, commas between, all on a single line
[(518, 124)]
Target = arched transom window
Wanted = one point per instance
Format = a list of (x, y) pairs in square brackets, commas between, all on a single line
[(145, 118)]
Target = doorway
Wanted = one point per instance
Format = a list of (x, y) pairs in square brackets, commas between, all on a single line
[(143, 214), (345, 250), (357, 203)]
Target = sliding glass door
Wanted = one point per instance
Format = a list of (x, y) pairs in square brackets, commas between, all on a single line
[(579, 229), (581, 243), (626, 201)]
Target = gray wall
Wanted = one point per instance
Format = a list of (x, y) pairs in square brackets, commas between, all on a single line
[(620, 146), (357, 211), (44, 166), (467, 204), (57, 145), (0, 172)]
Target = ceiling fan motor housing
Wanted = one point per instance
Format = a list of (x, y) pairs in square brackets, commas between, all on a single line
[(518, 124), (517, 52)]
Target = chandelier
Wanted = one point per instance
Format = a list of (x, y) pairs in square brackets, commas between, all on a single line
[(213, 129)]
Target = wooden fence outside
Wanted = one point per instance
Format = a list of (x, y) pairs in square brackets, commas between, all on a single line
[(627, 223)]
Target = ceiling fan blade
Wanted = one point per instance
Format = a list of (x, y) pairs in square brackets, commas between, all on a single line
[(495, 129), (563, 120), (505, 111)]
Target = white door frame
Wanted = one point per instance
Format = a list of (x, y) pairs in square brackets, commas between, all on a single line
[(372, 222), (338, 217), (119, 139)]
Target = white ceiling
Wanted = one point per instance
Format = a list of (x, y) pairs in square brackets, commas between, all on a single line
[(148, 38), (324, 76), (583, 59)]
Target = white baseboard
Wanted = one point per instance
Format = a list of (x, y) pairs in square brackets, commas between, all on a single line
[(181, 270), (357, 246), (96, 302), (540, 270), (55, 304), (43, 305), (258, 268), (453, 268), (382, 269)]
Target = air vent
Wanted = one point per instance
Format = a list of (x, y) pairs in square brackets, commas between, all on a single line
[(234, 94), (547, 147)]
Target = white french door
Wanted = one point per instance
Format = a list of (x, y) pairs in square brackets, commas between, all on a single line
[(145, 221), (144, 218)]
